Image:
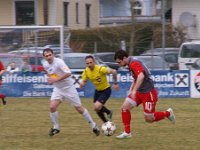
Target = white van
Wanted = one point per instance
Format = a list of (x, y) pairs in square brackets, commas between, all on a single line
[(189, 56)]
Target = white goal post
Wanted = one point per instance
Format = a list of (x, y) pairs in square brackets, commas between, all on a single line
[(17, 37)]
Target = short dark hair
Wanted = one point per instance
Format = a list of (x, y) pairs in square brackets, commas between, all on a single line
[(47, 50), (89, 56), (120, 54)]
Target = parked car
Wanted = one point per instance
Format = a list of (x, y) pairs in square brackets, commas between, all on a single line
[(28, 50), (170, 55), (153, 62), (189, 56), (39, 50), (159, 50), (56, 48), (76, 61), (108, 59)]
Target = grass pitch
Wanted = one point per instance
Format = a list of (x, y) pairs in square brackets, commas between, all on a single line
[(25, 123)]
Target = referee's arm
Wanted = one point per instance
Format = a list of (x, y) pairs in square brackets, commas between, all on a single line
[(115, 82)]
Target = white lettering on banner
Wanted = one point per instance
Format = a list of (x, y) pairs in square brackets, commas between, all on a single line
[(121, 78), (42, 86), (163, 78), (179, 93), (38, 93), (81, 93), (27, 93), (163, 93), (24, 79), (157, 85), (173, 93)]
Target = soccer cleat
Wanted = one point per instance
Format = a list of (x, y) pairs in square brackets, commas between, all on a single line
[(124, 135), (96, 130), (4, 102), (52, 132), (110, 116), (171, 116)]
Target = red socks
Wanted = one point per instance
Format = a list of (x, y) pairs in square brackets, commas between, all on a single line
[(161, 115), (126, 119)]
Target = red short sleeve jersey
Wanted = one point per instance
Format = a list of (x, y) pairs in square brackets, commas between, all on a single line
[(1, 66), (136, 67)]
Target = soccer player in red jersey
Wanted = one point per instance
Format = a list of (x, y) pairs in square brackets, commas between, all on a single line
[(2, 70), (142, 91)]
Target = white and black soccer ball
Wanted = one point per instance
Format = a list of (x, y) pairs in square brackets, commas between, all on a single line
[(108, 128)]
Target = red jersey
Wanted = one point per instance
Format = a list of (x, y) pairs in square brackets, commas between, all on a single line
[(1, 66), (136, 67)]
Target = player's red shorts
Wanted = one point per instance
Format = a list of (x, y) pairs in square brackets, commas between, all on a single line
[(147, 99)]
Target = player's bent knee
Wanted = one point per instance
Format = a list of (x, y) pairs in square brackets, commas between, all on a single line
[(80, 109), (97, 109), (52, 109), (149, 118)]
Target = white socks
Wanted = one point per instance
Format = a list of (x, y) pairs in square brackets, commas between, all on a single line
[(86, 115), (89, 119), (54, 119)]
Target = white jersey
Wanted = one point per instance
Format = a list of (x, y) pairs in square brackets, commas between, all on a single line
[(57, 69)]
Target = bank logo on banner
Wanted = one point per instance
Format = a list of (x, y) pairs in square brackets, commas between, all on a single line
[(77, 80), (181, 80)]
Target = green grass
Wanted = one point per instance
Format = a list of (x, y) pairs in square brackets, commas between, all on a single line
[(25, 122)]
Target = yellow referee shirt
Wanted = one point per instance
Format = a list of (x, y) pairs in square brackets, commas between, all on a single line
[(97, 77)]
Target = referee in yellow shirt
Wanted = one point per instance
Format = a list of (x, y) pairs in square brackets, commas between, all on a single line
[(97, 75)]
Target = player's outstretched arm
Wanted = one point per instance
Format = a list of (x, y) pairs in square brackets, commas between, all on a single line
[(82, 84), (114, 73)]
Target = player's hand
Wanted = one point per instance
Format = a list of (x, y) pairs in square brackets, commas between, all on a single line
[(115, 87), (132, 94), (81, 85)]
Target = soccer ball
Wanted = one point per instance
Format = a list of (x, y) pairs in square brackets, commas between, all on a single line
[(108, 128)]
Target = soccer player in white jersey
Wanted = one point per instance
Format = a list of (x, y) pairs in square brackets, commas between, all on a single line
[(59, 75)]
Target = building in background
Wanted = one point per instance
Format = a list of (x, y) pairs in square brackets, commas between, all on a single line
[(76, 14), (187, 14), (79, 14), (117, 12)]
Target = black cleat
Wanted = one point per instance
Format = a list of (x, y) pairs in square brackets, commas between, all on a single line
[(4, 101), (96, 130), (110, 116), (52, 132)]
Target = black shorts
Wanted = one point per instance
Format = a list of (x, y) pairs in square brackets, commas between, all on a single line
[(102, 96)]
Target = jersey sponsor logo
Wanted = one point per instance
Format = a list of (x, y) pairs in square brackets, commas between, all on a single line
[(98, 79), (54, 75)]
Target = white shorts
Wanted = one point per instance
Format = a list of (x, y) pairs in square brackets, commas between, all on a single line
[(70, 94)]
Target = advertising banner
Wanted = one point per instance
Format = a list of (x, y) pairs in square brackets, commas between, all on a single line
[(170, 84), (195, 83), (25, 85)]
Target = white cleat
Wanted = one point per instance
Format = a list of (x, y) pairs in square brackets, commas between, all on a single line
[(171, 116), (124, 135)]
